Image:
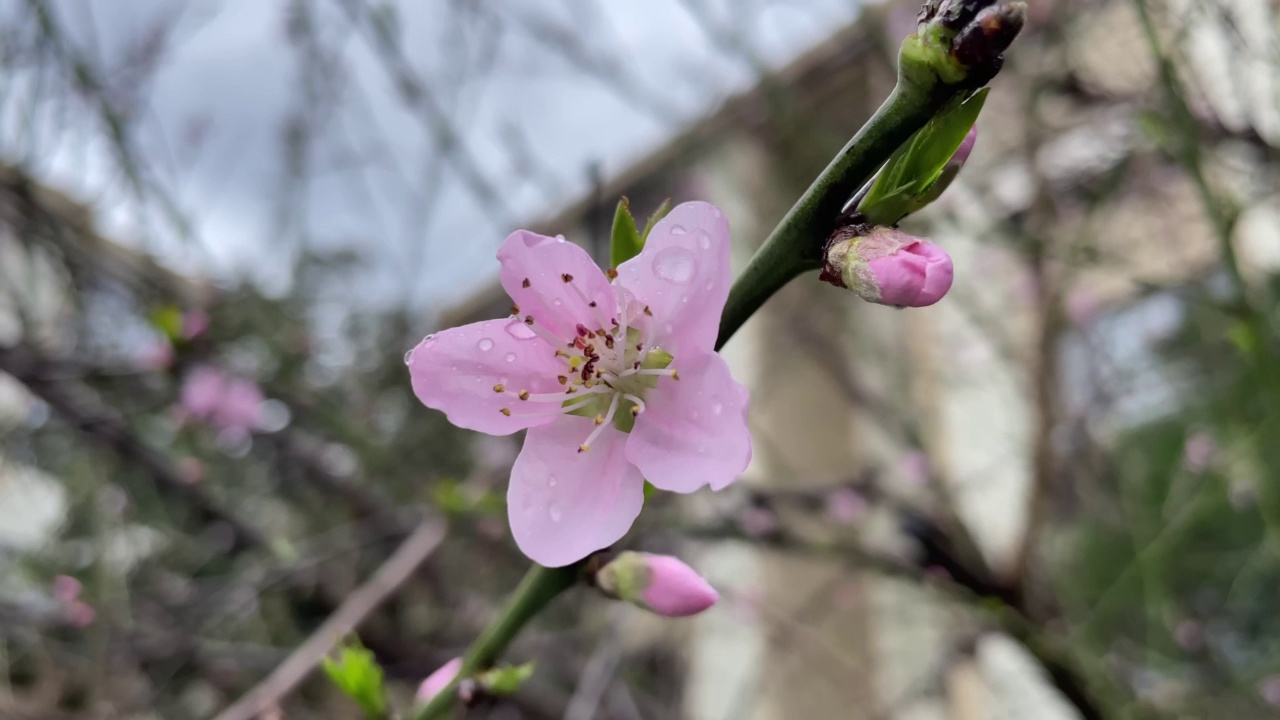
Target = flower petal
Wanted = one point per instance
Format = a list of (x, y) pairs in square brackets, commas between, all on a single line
[(693, 431), (564, 504), (541, 273), (457, 370), (683, 276)]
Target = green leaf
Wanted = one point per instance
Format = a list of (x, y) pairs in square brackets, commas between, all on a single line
[(904, 183), (168, 319), (627, 242), (657, 215), (358, 675), (506, 679)]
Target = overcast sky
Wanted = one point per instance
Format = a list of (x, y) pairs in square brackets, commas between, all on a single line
[(571, 84)]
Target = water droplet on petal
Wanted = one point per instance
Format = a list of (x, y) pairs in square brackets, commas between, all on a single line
[(511, 357), (528, 505), (678, 230), (556, 302), (555, 512), (453, 366), (684, 299), (485, 344), (674, 264), (552, 481), (704, 240), (668, 328), (710, 284), (408, 356), (717, 407), (559, 238), (702, 449)]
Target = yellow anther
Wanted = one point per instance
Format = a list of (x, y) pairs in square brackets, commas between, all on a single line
[(498, 388)]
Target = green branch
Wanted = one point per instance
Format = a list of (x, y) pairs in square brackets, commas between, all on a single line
[(956, 50)]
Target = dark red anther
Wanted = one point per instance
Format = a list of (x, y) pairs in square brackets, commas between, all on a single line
[(582, 330)]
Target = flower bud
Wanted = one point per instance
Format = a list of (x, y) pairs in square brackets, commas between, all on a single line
[(438, 680), (658, 583), (887, 266)]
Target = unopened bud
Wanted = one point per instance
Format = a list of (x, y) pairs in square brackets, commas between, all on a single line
[(887, 266), (659, 583), (438, 680)]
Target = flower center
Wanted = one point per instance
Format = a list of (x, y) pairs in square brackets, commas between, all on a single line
[(607, 371)]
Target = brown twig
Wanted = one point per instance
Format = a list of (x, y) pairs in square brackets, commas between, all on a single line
[(390, 576)]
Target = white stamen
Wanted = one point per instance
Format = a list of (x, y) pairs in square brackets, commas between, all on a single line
[(608, 418)]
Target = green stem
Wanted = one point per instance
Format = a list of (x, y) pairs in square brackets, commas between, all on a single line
[(538, 588), (795, 245)]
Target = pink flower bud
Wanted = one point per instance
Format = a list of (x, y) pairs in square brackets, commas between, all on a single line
[(961, 155), (659, 583), (438, 680), (887, 266)]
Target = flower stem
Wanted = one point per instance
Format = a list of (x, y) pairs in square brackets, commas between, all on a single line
[(538, 588)]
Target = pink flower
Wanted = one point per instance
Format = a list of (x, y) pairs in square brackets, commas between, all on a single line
[(225, 402), (194, 324), (846, 505), (438, 680), (888, 266), (616, 381), (66, 589), (80, 614), (659, 583), (154, 356)]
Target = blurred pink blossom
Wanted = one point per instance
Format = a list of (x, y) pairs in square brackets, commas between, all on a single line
[(1198, 451), (194, 324), (80, 614), (1269, 690), (226, 402), (1082, 306), (846, 505), (438, 680), (66, 589), (1189, 634), (154, 356), (914, 468), (757, 522)]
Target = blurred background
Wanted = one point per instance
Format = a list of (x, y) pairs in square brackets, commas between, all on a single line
[(1055, 494)]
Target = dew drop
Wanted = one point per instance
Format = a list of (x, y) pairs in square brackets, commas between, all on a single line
[(717, 408), (485, 344), (684, 299), (511, 357), (528, 505), (556, 302), (702, 449), (710, 284), (560, 238), (678, 230), (704, 240), (668, 328), (674, 264), (408, 356), (453, 366), (518, 330), (552, 481), (555, 512)]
